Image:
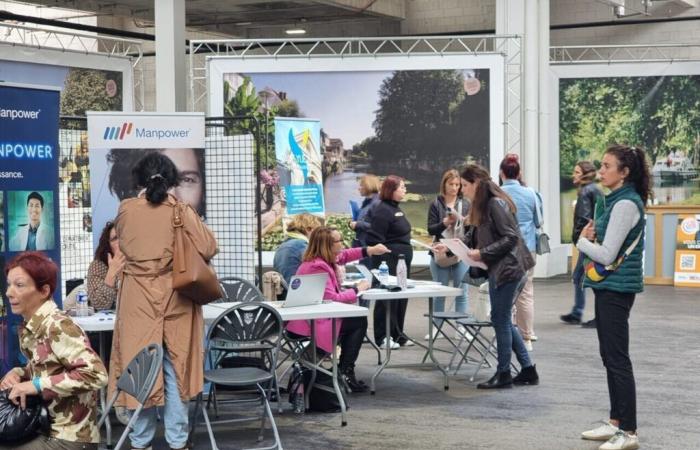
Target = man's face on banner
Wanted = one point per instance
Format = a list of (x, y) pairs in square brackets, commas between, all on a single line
[(190, 188), (34, 210)]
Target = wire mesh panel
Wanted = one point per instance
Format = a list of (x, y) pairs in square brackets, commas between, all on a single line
[(231, 192), (74, 198)]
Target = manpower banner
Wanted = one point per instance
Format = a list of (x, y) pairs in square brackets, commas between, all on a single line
[(299, 160), (28, 192), (118, 140)]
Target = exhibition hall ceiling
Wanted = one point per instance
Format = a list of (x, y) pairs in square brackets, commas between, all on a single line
[(235, 16)]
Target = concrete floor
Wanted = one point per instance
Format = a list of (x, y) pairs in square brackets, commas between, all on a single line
[(412, 411)]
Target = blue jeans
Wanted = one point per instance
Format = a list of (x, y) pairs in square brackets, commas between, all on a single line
[(579, 293), (508, 337), (174, 414), (443, 276)]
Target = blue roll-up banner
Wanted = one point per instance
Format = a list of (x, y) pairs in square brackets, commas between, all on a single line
[(29, 218)]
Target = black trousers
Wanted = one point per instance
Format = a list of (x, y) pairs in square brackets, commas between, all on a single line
[(396, 308), (612, 311), (352, 333)]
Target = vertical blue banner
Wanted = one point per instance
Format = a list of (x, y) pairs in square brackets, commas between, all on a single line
[(29, 200), (299, 161)]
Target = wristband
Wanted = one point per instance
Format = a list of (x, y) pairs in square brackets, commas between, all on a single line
[(36, 381)]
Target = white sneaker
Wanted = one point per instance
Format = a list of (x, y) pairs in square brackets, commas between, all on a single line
[(622, 440), (438, 336), (408, 343), (602, 433), (528, 344), (393, 345), (533, 338)]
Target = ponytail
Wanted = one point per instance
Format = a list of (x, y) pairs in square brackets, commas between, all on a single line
[(157, 174)]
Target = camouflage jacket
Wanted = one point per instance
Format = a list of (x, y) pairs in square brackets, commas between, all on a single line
[(69, 370)]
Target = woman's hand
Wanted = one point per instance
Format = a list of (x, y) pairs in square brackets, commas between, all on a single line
[(353, 224), (18, 393), (115, 264), (474, 254), (377, 250), (589, 231), (363, 285), (449, 220), (439, 248), (9, 380)]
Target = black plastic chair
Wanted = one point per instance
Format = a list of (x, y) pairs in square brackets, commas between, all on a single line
[(137, 380), (246, 326), (239, 290)]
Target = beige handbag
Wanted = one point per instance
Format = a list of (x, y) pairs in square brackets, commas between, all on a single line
[(193, 277)]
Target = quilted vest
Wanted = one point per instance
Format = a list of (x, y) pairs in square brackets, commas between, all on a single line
[(629, 277)]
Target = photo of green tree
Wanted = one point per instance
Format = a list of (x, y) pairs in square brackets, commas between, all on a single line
[(660, 114)]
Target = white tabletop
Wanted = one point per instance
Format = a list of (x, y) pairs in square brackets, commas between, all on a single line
[(420, 290), (100, 321), (329, 310)]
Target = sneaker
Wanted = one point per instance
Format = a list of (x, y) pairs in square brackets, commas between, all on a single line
[(528, 344), (407, 343), (438, 336), (589, 324), (602, 433), (393, 345), (570, 318), (533, 338), (622, 440)]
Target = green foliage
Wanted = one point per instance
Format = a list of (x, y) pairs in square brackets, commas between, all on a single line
[(342, 223), (659, 114), (85, 90)]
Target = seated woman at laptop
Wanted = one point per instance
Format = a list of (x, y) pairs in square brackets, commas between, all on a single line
[(324, 255)]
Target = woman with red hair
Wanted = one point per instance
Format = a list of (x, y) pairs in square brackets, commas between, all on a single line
[(389, 226), (62, 366)]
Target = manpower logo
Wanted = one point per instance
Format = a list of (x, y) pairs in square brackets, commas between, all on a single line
[(118, 133)]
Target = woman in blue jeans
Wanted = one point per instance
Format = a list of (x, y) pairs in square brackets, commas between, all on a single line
[(445, 220), (495, 239)]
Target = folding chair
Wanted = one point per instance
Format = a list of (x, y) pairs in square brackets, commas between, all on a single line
[(240, 290), (137, 380), (240, 328)]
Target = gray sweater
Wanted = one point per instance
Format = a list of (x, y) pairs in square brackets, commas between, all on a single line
[(623, 217)]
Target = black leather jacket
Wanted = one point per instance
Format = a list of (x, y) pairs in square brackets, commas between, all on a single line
[(585, 206), (501, 245)]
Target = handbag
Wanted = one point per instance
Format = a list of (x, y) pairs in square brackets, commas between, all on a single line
[(476, 276), (193, 277), (541, 238), (597, 272), (449, 259), (17, 424)]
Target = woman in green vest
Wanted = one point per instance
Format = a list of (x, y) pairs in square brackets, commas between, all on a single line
[(616, 236)]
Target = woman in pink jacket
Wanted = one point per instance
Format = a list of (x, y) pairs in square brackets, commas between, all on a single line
[(325, 254)]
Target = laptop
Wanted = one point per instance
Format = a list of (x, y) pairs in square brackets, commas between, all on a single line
[(374, 279), (305, 290)]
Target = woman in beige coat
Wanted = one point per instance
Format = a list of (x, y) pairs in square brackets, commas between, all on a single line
[(149, 311)]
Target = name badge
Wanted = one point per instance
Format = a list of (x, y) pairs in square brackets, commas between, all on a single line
[(398, 214)]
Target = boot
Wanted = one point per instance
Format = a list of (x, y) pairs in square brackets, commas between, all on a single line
[(527, 376), (351, 382), (501, 380)]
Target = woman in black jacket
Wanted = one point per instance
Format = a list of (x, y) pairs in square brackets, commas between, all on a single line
[(588, 194), (498, 243), (390, 227)]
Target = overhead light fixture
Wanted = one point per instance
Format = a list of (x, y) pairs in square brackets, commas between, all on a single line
[(295, 31)]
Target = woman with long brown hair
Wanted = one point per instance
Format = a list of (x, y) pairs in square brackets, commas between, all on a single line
[(496, 241)]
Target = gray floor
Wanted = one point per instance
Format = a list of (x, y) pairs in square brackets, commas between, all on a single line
[(412, 411)]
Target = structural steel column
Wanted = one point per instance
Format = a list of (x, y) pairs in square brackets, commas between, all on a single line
[(171, 88)]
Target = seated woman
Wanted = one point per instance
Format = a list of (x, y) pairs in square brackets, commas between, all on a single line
[(62, 367), (323, 255), (104, 270), (288, 256)]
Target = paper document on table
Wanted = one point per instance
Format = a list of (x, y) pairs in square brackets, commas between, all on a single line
[(457, 247), (420, 244)]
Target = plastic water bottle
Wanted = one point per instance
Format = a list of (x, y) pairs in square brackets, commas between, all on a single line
[(299, 406), (401, 273), (81, 304), (383, 273)]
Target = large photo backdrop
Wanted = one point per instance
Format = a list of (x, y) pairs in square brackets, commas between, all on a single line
[(395, 119), (660, 113)]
